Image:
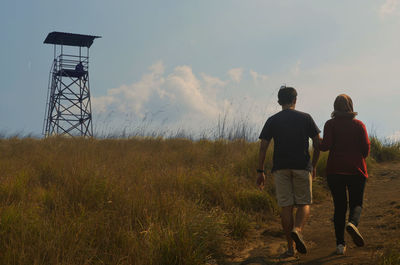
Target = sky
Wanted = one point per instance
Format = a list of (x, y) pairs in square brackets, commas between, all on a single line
[(189, 64)]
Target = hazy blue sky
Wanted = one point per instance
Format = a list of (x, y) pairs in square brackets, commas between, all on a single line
[(185, 63)]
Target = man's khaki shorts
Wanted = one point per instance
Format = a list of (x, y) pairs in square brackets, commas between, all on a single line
[(293, 187)]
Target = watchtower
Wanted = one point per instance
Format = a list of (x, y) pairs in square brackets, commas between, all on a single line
[(68, 108)]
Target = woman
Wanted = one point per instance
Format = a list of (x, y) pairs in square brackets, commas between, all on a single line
[(346, 138)]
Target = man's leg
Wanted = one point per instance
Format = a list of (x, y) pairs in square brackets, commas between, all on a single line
[(284, 196), (302, 213), (287, 225), (302, 183), (302, 189)]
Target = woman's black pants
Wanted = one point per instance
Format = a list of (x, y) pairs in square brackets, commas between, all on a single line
[(338, 184)]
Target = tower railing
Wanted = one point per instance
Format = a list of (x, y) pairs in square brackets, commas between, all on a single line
[(69, 62)]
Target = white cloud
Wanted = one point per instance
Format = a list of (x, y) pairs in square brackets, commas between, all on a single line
[(212, 85), (213, 81), (257, 77), (178, 97), (389, 7), (185, 90), (131, 98), (236, 74), (100, 103)]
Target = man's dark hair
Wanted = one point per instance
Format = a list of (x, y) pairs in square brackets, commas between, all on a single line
[(286, 95)]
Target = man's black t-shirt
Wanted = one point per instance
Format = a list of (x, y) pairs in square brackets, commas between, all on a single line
[(291, 130)]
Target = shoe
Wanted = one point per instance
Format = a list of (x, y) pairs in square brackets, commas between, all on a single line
[(340, 249), (355, 234), (298, 239)]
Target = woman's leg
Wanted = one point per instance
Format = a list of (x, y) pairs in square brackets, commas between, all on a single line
[(355, 185), (337, 186)]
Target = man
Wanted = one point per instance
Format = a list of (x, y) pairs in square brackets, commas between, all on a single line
[(79, 67), (291, 129)]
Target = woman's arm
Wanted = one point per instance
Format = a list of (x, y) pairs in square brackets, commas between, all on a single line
[(326, 143), (365, 143)]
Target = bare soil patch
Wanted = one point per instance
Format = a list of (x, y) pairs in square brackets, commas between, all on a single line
[(380, 226)]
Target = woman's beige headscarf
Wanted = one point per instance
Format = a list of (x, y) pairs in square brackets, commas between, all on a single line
[(343, 107)]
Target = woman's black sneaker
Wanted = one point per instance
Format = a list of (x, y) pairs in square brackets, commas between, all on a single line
[(355, 234)]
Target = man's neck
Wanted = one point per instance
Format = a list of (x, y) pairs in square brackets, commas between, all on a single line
[(288, 106)]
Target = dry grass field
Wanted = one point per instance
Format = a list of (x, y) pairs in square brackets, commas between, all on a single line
[(129, 201)]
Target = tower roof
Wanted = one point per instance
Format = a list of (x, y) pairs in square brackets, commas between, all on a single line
[(70, 39)]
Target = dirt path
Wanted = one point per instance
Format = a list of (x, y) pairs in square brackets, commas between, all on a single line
[(380, 226)]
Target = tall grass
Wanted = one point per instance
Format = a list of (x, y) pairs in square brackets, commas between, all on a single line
[(126, 201), (384, 150), (129, 201)]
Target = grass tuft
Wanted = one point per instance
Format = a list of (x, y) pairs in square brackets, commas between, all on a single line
[(238, 224), (391, 256), (255, 200), (383, 151)]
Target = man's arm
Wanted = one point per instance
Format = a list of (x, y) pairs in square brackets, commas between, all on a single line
[(261, 158), (316, 141), (326, 143)]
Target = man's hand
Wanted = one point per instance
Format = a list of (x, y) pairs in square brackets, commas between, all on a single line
[(261, 157), (261, 180), (314, 173)]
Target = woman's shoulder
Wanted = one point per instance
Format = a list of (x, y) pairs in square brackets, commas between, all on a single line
[(330, 122), (344, 122), (359, 125), (358, 122)]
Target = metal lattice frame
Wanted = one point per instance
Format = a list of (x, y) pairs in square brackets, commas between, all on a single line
[(68, 108)]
